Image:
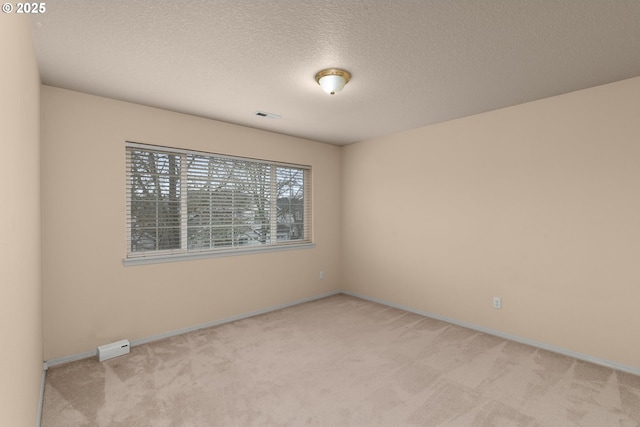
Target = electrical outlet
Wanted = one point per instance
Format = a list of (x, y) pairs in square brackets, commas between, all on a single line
[(497, 302), (321, 275)]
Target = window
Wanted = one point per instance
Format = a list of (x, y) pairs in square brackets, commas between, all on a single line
[(185, 204)]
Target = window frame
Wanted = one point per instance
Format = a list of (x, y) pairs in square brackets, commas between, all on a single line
[(183, 252)]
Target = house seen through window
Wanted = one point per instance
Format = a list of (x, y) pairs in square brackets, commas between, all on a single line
[(183, 202)]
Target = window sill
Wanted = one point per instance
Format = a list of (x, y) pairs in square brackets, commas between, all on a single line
[(157, 259)]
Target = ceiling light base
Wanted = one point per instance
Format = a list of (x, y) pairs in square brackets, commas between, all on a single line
[(332, 80)]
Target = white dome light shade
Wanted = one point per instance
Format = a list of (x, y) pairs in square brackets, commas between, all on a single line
[(332, 84), (332, 80)]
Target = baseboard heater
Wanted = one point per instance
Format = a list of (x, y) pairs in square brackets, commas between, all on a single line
[(114, 349)]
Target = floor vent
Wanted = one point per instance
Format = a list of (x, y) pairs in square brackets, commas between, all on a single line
[(114, 349)]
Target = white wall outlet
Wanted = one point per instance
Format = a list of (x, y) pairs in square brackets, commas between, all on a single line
[(497, 302), (321, 275)]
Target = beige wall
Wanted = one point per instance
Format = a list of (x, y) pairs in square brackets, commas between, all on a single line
[(90, 297), (538, 204), (20, 278)]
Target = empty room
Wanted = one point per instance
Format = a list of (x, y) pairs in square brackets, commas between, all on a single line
[(326, 213)]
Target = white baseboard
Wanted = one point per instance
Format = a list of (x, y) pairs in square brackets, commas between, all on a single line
[(231, 319), (45, 366), (552, 348), (555, 349), (88, 354)]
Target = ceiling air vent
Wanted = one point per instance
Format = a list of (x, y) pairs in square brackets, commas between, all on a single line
[(267, 115)]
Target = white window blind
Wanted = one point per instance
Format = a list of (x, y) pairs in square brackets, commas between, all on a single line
[(182, 202)]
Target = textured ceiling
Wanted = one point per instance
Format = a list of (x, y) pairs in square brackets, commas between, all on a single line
[(413, 63)]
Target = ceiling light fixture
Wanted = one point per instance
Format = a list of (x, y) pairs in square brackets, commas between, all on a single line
[(332, 80)]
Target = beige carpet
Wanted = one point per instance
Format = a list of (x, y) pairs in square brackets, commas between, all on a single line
[(339, 361)]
